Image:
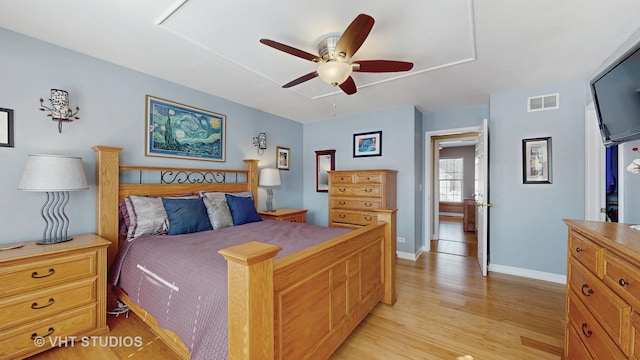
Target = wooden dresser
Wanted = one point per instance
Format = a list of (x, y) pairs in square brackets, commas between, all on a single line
[(285, 214), (603, 291), (52, 292), (354, 195)]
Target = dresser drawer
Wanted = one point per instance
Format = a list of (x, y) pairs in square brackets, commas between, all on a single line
[(39, 304), (614, 313), (585, 251), (18, 341), (352, 217), (32, 275), (346, 203), (574, 346), (363, 190), (368, 178), (623, 278), (590, 332), (342, 178)]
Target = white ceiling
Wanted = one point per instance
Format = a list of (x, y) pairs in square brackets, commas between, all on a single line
[(463, 50)]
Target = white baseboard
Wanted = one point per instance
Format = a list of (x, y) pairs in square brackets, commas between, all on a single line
[(532, 274), (410, 256)]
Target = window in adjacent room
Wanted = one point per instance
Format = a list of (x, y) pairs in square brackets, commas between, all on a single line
[(451, 177)]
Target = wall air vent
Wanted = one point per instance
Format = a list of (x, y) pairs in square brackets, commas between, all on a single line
[(543, 102)]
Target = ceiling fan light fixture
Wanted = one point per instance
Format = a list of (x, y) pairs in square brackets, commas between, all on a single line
[(334, 72)]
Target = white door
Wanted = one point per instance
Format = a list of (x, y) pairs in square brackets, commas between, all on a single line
[(482, 194)]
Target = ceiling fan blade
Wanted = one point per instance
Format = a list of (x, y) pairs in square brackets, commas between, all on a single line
[(290, 50), (349, 86), (301, 79), (380, 66), (354, 36)]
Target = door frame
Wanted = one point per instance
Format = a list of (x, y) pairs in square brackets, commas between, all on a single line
[(430, 209)]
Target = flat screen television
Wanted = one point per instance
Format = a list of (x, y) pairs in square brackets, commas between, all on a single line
[(616, 96)]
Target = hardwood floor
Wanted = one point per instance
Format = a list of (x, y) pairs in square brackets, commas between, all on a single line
[(452, 239), (445, 310)]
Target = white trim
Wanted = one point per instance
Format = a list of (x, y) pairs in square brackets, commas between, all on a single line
[(169, 11), (595, 160), (410, 256), (528, 273)]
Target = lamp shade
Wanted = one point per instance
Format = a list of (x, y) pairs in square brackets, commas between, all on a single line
[(334, 72), (53, 173), (269, 177)]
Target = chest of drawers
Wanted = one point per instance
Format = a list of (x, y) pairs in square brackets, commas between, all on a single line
[(355, 194), (51, 292), (603, 291)]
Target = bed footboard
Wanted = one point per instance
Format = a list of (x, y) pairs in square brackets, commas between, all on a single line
[(306, 304)]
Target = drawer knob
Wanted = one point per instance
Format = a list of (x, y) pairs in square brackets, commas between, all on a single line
[(36, 276), (368, 218), (586, 333), (35, 335), (623, 282), (342, 189), (589, 291), (35, 305), (578, 249), (368, 190), (342, 216), (368, 204), (341, 202)]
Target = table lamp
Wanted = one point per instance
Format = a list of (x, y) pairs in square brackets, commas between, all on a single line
[(269, 178)]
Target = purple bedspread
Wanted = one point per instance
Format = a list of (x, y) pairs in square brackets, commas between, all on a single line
[(182, 281)]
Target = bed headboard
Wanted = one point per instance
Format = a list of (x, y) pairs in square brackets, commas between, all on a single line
[(169, 181)]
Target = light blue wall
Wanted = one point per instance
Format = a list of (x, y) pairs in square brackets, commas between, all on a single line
[(455, 118), (112, 112), (398, 152), (525, 222)]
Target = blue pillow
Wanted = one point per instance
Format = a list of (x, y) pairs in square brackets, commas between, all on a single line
[(243, 210), (186, 216)]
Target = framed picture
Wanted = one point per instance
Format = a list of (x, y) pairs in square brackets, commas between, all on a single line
[(6, 127), (182, 131), (536, 161), (367, 144), (282, 158)]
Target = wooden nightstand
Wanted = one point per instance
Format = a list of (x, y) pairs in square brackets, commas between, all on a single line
[(285, 214), (49, 292)]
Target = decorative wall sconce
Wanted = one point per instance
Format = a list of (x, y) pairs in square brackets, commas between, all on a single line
[(260, 142), (59, 110)]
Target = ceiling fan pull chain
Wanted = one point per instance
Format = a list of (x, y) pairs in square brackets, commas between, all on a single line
[(334, 101)]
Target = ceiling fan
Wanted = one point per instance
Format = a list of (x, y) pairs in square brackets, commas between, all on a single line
[(335, 51)]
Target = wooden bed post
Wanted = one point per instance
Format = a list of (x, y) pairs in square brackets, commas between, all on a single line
[(250, 300), (107, 182), (251, 165), (389, 216)]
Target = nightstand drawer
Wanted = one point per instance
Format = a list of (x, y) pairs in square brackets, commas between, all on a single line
[(22, 340), (340, 203), (24, 308), (33, 275)]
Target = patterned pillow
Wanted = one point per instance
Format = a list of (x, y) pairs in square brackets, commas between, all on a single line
[(219, 213), (147, 215)]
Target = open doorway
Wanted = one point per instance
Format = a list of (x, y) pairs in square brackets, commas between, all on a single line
[(454, 168)]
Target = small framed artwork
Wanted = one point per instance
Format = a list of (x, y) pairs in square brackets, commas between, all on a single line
[(367, 144), (181, 131), (282, 158), (536, 161), (6, 127)]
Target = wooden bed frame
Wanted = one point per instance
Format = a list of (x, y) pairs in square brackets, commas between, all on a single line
[(303, 305)]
